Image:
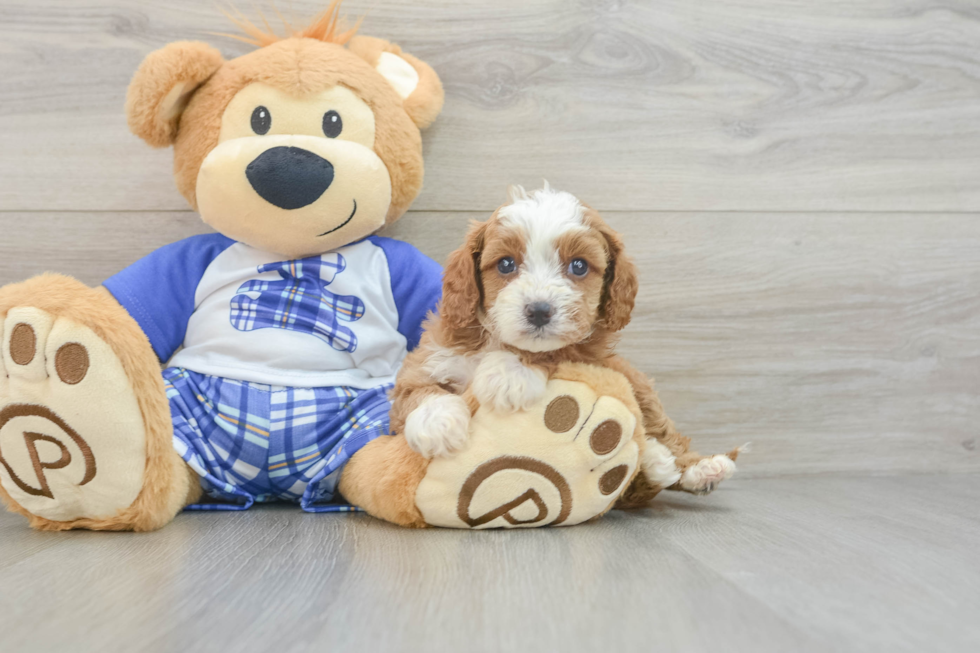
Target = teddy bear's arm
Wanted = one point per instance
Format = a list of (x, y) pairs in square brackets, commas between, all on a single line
[(416, 286), (158, 291)]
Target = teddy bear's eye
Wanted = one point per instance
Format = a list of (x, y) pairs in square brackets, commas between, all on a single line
[(332, 124), (261, 120)]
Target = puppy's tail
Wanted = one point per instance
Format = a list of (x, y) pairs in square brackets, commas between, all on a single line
[(745, 448)]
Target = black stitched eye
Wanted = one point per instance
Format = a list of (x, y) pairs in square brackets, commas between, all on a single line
[(332, 124), (506, 265), (261, 121), (578, 268)]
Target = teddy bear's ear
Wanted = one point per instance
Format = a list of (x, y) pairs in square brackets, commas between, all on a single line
[(163, 85), (413, 79)]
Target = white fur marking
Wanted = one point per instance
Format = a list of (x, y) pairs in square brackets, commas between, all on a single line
[(399, 73), (542, 217), (503, 382), (444, 365), (439, 426), (659, 464), (705, 475)]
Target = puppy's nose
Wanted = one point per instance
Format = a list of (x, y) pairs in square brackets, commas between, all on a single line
[(538, 313), (289, 177)]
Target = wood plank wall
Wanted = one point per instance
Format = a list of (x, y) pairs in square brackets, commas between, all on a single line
[(799, 182)]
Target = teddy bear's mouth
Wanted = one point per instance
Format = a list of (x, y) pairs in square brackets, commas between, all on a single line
[(342, 223)]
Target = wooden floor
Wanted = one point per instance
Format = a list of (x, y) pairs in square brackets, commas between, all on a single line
[(789, 564), (799, 183)]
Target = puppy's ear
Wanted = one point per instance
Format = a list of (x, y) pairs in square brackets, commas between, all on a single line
[(462, 289), (413, 79), (619, 284), (163, 85)]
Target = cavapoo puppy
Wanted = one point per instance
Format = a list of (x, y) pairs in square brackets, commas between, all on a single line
[(544, 280)]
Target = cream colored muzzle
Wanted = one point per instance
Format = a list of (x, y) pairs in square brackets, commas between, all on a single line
[(293, 195)]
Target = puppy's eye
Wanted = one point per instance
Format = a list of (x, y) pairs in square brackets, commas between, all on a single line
[(506, 265), (261, 121), (332, 124), (578, 268)]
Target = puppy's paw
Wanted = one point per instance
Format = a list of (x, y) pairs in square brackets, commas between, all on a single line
[(659, 464), (704, 476), (439, 426), (505, 384)]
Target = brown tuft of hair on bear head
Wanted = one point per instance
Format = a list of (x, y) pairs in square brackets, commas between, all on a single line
[(328, 26)]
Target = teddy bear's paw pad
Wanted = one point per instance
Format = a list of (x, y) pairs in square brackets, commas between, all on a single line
[(72, 439), (704, 476), (561, 462)]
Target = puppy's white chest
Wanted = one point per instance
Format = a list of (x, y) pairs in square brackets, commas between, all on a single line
[(501, 380), (445, 366)]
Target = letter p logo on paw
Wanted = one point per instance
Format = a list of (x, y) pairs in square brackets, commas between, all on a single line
[(40, 486)]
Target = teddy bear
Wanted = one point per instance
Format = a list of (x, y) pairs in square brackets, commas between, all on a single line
[(280, 333)]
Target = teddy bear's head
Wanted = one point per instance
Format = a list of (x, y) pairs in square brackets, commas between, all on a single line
[(306, 144)]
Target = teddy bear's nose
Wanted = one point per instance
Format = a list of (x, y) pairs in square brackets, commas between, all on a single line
[(289, 177)]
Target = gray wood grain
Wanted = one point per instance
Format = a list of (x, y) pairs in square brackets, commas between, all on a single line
[(712, 105), (866, 563), (821, 563), (832, 342), (797, 182)]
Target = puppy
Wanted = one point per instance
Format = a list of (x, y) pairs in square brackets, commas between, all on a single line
[(543, 281)]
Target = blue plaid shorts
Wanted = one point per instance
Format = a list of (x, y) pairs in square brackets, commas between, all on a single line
[(253, 442)]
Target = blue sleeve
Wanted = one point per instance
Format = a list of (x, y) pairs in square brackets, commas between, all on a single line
[(158, 290), (416, 283)]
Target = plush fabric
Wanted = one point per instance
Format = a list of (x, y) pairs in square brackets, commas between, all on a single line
[(382, 479), (95, 475), (425, 101), (228, 199), (317, 130), (561, 462), (166, 482), (397, 141), (565, 460), (162, 86)]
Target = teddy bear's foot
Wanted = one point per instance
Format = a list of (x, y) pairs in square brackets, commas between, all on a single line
[(76, 447), (562, 461)]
